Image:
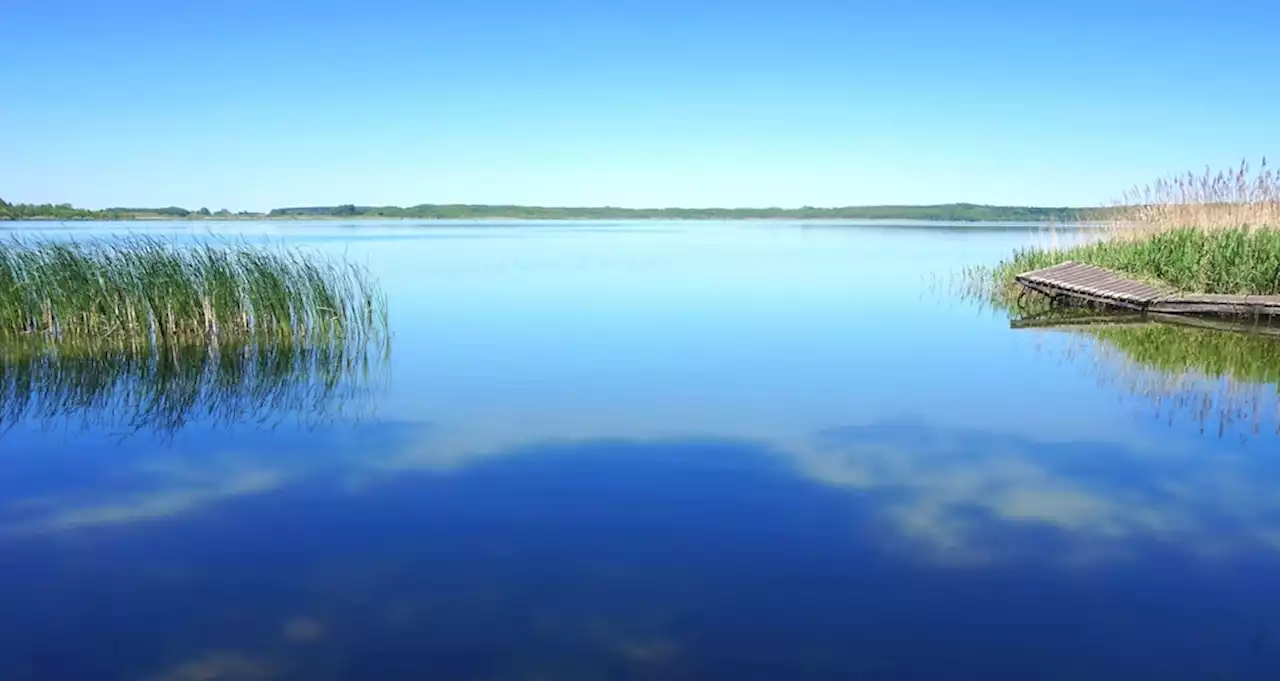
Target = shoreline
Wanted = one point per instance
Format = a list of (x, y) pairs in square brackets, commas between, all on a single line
[(948, 212), (384, 218)]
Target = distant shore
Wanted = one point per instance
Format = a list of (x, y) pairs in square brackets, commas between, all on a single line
[(379, 218), (957, 212)]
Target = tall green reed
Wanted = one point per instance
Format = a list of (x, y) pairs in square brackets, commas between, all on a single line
[(1211, 233), (1242, 260), (150, 291)]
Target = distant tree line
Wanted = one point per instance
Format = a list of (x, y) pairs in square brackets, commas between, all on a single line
[(957, 212), (58, 211), (954, 211), (65, 211)]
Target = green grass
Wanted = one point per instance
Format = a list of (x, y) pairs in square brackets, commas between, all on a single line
[(149, 291), (1240, 261)]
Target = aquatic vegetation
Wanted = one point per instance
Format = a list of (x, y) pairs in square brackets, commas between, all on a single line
[(1241, 259), (163, 388), (1212, 201), (1215, 233), (149, 291), (141, 333)]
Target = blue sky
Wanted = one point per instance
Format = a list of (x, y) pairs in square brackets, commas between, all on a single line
[(258, 104)]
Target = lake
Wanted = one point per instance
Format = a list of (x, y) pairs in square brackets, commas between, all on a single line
[(652, 451)]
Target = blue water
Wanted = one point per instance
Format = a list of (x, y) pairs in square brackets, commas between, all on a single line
[(660, 451)]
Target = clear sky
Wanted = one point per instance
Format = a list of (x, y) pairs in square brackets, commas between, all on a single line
[(253, 104)]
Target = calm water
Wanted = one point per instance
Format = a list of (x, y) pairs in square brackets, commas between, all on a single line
[(654, 451)]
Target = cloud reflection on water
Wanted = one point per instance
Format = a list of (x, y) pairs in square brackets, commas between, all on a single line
[(662, 558), (945, 490), (958, 496), (162, 493)]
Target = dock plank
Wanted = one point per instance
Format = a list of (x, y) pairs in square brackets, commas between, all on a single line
[(1218, 303), (1093, 283), (1106, 287)]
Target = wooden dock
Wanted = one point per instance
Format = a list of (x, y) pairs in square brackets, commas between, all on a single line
[(1100, 286)]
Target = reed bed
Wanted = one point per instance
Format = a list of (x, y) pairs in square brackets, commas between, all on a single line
[(1208, 202), (1243, 260), (150, 291), (1218, 232)]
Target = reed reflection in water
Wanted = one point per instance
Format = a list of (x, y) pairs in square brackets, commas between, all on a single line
[(1221, 374), (164, 387)]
